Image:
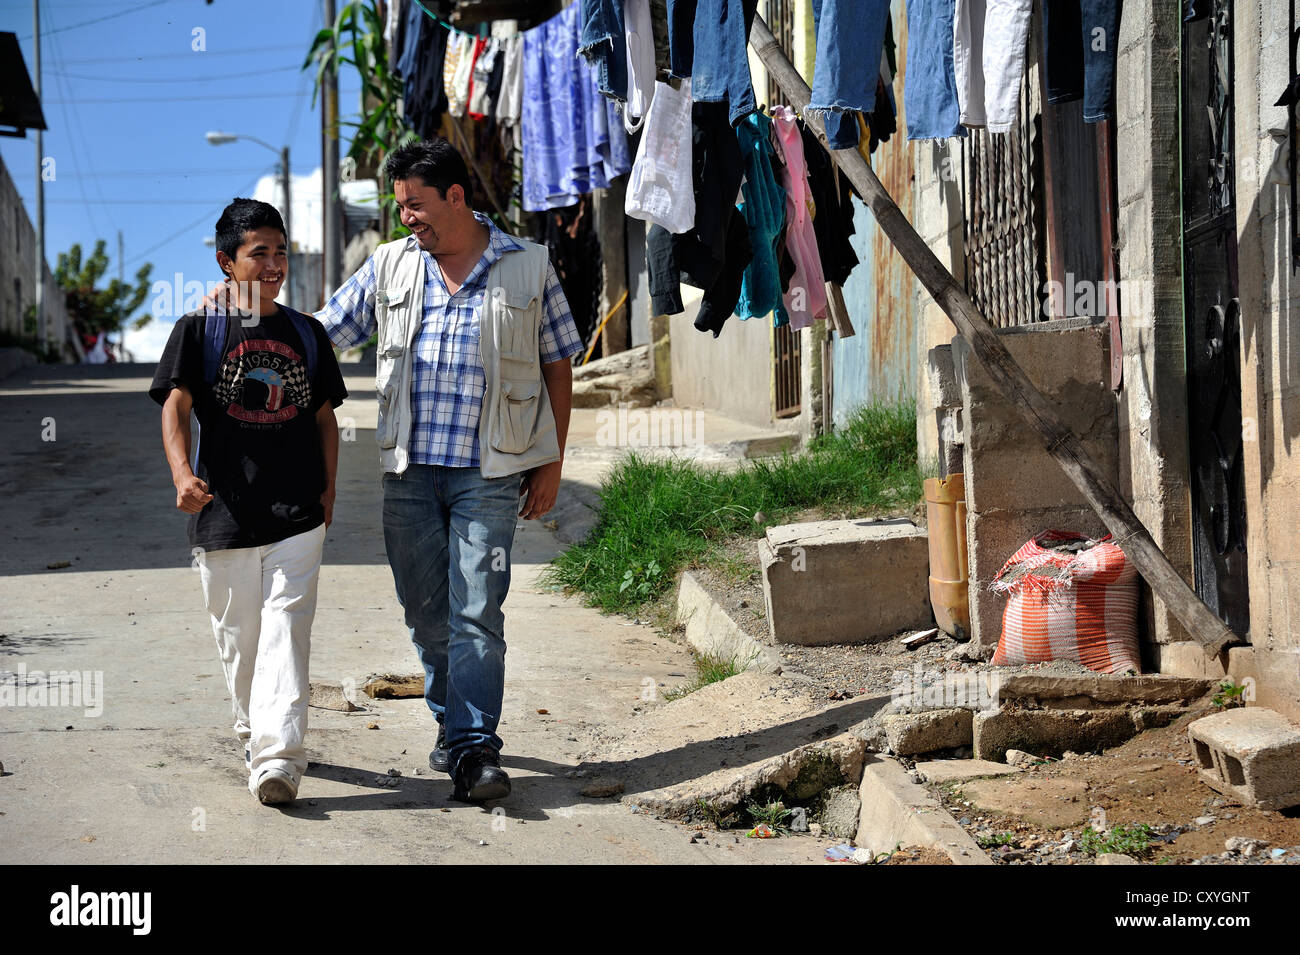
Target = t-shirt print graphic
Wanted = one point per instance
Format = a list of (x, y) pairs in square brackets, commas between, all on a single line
[(263, 381)]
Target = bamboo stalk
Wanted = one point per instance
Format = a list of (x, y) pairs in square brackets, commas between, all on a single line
[(1061, 443)]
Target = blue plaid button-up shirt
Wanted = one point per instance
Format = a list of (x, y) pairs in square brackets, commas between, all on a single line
[(447, 382)]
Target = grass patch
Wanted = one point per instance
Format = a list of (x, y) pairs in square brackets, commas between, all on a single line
[(659, 517), (708, 669), (1126, 840)]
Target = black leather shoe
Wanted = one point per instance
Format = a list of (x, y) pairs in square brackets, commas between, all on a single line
[(440, 759), (479, 776)]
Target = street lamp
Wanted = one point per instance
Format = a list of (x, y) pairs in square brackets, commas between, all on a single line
[(220, 139)]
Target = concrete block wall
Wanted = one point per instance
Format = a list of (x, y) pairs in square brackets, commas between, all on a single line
[(1270, 309), (1154, 471), (1014, 488)]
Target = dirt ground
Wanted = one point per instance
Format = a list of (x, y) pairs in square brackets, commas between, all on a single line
[(1039, 815)]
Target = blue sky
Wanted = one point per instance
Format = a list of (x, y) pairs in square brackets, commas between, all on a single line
[(127, 101)]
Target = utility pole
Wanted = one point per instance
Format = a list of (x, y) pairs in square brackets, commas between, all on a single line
[(329, 143), (40, 187), (288, 222), (121, 263)]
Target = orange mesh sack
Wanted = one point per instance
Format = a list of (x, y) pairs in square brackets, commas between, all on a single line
[(1069, 598)]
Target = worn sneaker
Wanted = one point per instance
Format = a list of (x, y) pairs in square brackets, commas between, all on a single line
[(275, 788), (440, 759), (479, 776)]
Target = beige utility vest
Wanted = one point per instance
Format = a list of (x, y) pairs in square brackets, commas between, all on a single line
[(516, 426)]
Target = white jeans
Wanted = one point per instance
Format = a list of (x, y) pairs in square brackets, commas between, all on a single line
[(988, 59), (262, 601)]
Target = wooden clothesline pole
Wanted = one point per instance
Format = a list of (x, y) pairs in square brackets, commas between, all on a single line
[(1061, 442)]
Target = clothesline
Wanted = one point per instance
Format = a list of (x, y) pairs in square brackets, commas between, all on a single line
[(439, 20)]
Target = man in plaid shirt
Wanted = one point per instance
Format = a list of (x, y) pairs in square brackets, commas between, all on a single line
[(447, 529)]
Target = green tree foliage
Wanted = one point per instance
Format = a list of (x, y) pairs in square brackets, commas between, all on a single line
[(95, 310)]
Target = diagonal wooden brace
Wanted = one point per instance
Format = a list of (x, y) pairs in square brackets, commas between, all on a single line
[(1063, 444)]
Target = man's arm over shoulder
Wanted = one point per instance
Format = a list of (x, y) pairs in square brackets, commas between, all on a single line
[(349, 315)]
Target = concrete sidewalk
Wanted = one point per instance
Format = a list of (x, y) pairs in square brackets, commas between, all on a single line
[(157, 775)]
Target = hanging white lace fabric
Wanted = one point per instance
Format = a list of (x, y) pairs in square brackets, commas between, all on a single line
[(660, 188)]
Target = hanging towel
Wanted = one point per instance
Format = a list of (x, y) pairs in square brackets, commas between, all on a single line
[(806, 297), (572, 139), (660, 189), (640, 64), (764, 210), (989, 46)]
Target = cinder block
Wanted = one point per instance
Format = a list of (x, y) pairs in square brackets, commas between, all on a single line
[(1250, 754), (912, 733), (828, 582)]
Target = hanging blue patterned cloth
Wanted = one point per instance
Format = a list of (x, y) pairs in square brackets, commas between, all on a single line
[(573, 139), (764, 211)]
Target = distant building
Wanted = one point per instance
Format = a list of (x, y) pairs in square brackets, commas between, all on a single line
[(18, 273)]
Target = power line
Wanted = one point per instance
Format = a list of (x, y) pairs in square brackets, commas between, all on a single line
[(143, 202), (109, 16), (191, 54), (168, 81), (180, 232), (151, 174), (249, 94)]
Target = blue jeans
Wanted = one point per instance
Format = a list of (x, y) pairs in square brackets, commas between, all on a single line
[(603, 41), (930, 87), (841, 128), (448, 533), (850, 43), (720, 68), (1081, 40)]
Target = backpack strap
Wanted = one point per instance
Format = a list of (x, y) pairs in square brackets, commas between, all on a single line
[(214, 342), (307, 333)]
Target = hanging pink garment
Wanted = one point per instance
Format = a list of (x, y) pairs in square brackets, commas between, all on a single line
[(806, 297)]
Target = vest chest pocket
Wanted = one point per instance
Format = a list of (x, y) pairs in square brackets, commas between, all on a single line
[(517, 320), (392, 318)]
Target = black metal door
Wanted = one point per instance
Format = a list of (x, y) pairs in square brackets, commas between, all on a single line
[(1212, 316)]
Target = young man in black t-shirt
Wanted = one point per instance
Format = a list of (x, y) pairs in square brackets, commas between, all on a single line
[(263, 384)]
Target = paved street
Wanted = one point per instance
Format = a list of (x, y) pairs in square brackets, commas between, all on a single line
[(149, 771)]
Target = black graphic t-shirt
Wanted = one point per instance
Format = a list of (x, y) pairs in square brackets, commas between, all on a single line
[(259, 448)]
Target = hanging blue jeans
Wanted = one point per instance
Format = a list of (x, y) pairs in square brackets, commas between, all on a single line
[(1081, 40), (930, 86), (681, 36), (720, 69), (448, 533), (603, 42), (850, 42), (842, 129)]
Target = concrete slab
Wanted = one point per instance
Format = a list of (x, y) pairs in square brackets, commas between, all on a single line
[(909, 734), (1053, 732), (1102, 690), (958, 770), (899, 812), (1251, 754), (829, 582), (710, 629)]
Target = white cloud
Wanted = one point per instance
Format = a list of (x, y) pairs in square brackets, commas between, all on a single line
[(147, 344)]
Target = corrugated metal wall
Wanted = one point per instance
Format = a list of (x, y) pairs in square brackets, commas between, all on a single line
[(882, 360)]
